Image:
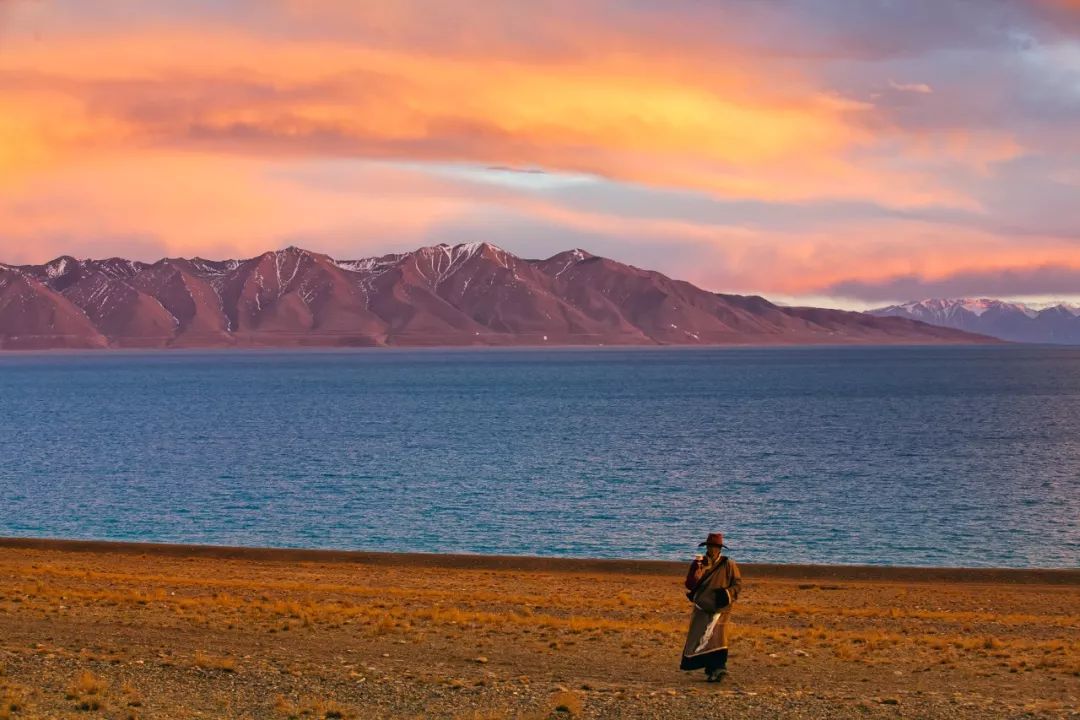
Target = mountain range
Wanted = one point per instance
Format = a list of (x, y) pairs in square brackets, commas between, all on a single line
[(469, 294), (1055, 323)]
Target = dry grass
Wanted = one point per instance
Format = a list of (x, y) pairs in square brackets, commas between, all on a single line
[(88, 691), (317, 628), (12, 700), (566, 702), (206, 661), (847, 643), (311, 709), (131, 696), (87, 683), (380, 618), (894, 613)]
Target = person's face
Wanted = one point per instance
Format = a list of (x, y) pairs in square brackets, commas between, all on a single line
[(713, 551)]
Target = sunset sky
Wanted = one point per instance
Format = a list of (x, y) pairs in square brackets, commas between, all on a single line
[(840, 152)]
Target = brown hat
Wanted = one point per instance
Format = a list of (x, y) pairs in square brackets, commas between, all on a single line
[(714, 539)]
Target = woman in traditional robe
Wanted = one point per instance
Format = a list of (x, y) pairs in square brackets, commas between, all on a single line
[(713, 583)]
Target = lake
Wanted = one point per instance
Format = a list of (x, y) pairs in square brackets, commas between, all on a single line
[(946, 456)]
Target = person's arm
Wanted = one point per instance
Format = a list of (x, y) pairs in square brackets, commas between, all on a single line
[(735, 583), (693, 575)]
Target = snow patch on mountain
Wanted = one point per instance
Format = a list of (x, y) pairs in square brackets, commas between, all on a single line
[(214, 267), (59, 266)]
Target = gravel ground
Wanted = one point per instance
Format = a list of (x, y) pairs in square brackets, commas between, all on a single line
[(114, 635)]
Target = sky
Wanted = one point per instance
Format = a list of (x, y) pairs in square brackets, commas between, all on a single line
[(847, 153)]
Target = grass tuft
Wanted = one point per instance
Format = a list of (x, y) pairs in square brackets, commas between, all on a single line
[(566, 702), (214, 662)]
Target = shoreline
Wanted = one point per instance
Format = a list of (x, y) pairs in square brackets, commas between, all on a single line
[(532, 563), (480, 347)]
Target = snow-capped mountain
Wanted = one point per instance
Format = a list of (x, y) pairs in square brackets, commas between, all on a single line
[(469, 294), (1018, 322)]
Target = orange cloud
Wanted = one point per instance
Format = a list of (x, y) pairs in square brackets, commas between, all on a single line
[(731, 130)]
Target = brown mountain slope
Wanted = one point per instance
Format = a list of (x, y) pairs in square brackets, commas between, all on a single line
[(508, 297), (34, 317), (297, 297), (470, 294), (189, 298)]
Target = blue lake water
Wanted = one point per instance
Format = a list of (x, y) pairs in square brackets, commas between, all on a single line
[(915, 456)]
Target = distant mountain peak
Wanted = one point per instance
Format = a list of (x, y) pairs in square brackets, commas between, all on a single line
[(575, 255), (289, 251), (59, 266), (466, 251), (1064, 307), (976, 306), (1056, 322), (559, 263), (465, 248)]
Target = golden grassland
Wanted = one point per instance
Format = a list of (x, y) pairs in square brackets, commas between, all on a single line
[(149, 636)]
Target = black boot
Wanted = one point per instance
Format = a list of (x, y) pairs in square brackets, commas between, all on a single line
[(718, 669)]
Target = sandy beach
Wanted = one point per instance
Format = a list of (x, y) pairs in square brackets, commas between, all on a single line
[(118, 630)]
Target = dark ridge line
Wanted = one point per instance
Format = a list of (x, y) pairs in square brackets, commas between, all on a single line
[(873, 573)]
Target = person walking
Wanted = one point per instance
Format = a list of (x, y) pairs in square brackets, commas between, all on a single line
[(713, 584)]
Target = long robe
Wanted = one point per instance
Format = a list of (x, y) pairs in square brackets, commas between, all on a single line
[(713, 588)]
